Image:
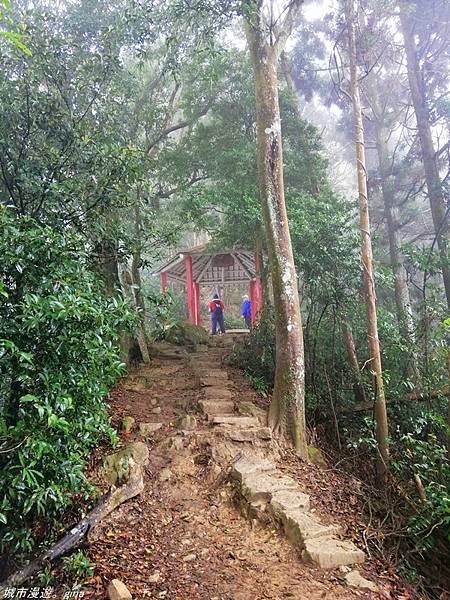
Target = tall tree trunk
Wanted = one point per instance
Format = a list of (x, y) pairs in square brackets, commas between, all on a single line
[(433, 181), (366, 255), (401, 292), (287, 72), (106, 261), (287, 409), (140, 334), (139, 301), (349, 343)]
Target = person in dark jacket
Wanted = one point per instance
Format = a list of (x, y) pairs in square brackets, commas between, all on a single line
[(247, 311), (216, 308)]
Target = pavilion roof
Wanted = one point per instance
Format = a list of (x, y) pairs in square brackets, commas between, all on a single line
[(211, 267)]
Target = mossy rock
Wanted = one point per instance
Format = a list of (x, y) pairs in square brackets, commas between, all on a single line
[(316, 457), (248, 408), (116, 467), (128, 424), (184, 333)]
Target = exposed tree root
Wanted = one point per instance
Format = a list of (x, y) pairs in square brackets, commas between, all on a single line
[(86, 526)]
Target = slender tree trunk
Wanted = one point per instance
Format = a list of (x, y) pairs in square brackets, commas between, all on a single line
[(366, 255), (140, 335), (448, 398), (401, 292), (349, 343), (106, 260), (287, 72), (287, 409), (433, 181), (139, 301)]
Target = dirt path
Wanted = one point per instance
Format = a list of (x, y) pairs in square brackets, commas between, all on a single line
[(183, 538)]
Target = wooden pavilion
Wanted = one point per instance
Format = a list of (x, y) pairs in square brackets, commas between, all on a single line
[(200, 265)]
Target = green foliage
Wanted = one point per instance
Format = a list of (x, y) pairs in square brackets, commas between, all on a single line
[(184, 333), (78, 566), (58, 359), (162, 312), (256, 355)]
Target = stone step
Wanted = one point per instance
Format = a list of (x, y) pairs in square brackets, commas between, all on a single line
[(213, 382), (249, 435), (245, 465), (214, 373), (332, 553), (217, 407), (285, 500), (264, 489), (216, 393), (262, 486), (236, 421), (300, 526)]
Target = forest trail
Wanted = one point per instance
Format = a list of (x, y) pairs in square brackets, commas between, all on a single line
[(183, 537)]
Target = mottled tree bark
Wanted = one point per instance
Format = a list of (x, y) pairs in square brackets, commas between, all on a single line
[(287, 409), (366, 255), (433, 181)]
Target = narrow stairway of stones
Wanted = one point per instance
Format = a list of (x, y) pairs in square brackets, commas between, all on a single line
[(217, 519), (263, 488)]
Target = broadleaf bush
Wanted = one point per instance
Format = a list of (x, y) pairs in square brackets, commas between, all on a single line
[(58, 358)]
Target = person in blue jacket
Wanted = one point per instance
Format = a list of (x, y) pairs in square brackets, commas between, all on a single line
[(247, 311)]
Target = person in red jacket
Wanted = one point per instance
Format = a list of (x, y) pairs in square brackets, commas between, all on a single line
[(216, 308)]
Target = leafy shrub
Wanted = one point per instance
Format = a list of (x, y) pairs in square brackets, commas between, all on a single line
[(58, 359), (162, 312), (256, 355), (78, 565)]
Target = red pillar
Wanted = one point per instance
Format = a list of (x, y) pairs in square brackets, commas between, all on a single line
[(258, 287), (251, 289), (190, 289), (197, 303), (164, 282)]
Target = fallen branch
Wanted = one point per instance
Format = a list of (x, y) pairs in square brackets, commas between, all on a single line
[(71, 540)]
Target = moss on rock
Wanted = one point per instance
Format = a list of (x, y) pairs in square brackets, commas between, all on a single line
[(184, 333), (116, 467)]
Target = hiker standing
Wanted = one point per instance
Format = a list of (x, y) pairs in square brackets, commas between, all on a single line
[(216, 308), (247, 311)]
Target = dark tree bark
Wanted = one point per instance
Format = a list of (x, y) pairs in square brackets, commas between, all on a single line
[(287, 409)]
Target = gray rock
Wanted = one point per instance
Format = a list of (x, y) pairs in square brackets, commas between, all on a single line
[(188, 422), (245, 466), (250, 409), (217, 407), (116, 467), (300, 527), (156, 410), (355, 579), (117, 590), (284, 500), (216, 393), (165, 475), (236, 421), (189, 557), (127, 424), (332, 553), (154, 577), (147, 429)]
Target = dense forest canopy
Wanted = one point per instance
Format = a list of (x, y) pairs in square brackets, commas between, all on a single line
[(130, 128)]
